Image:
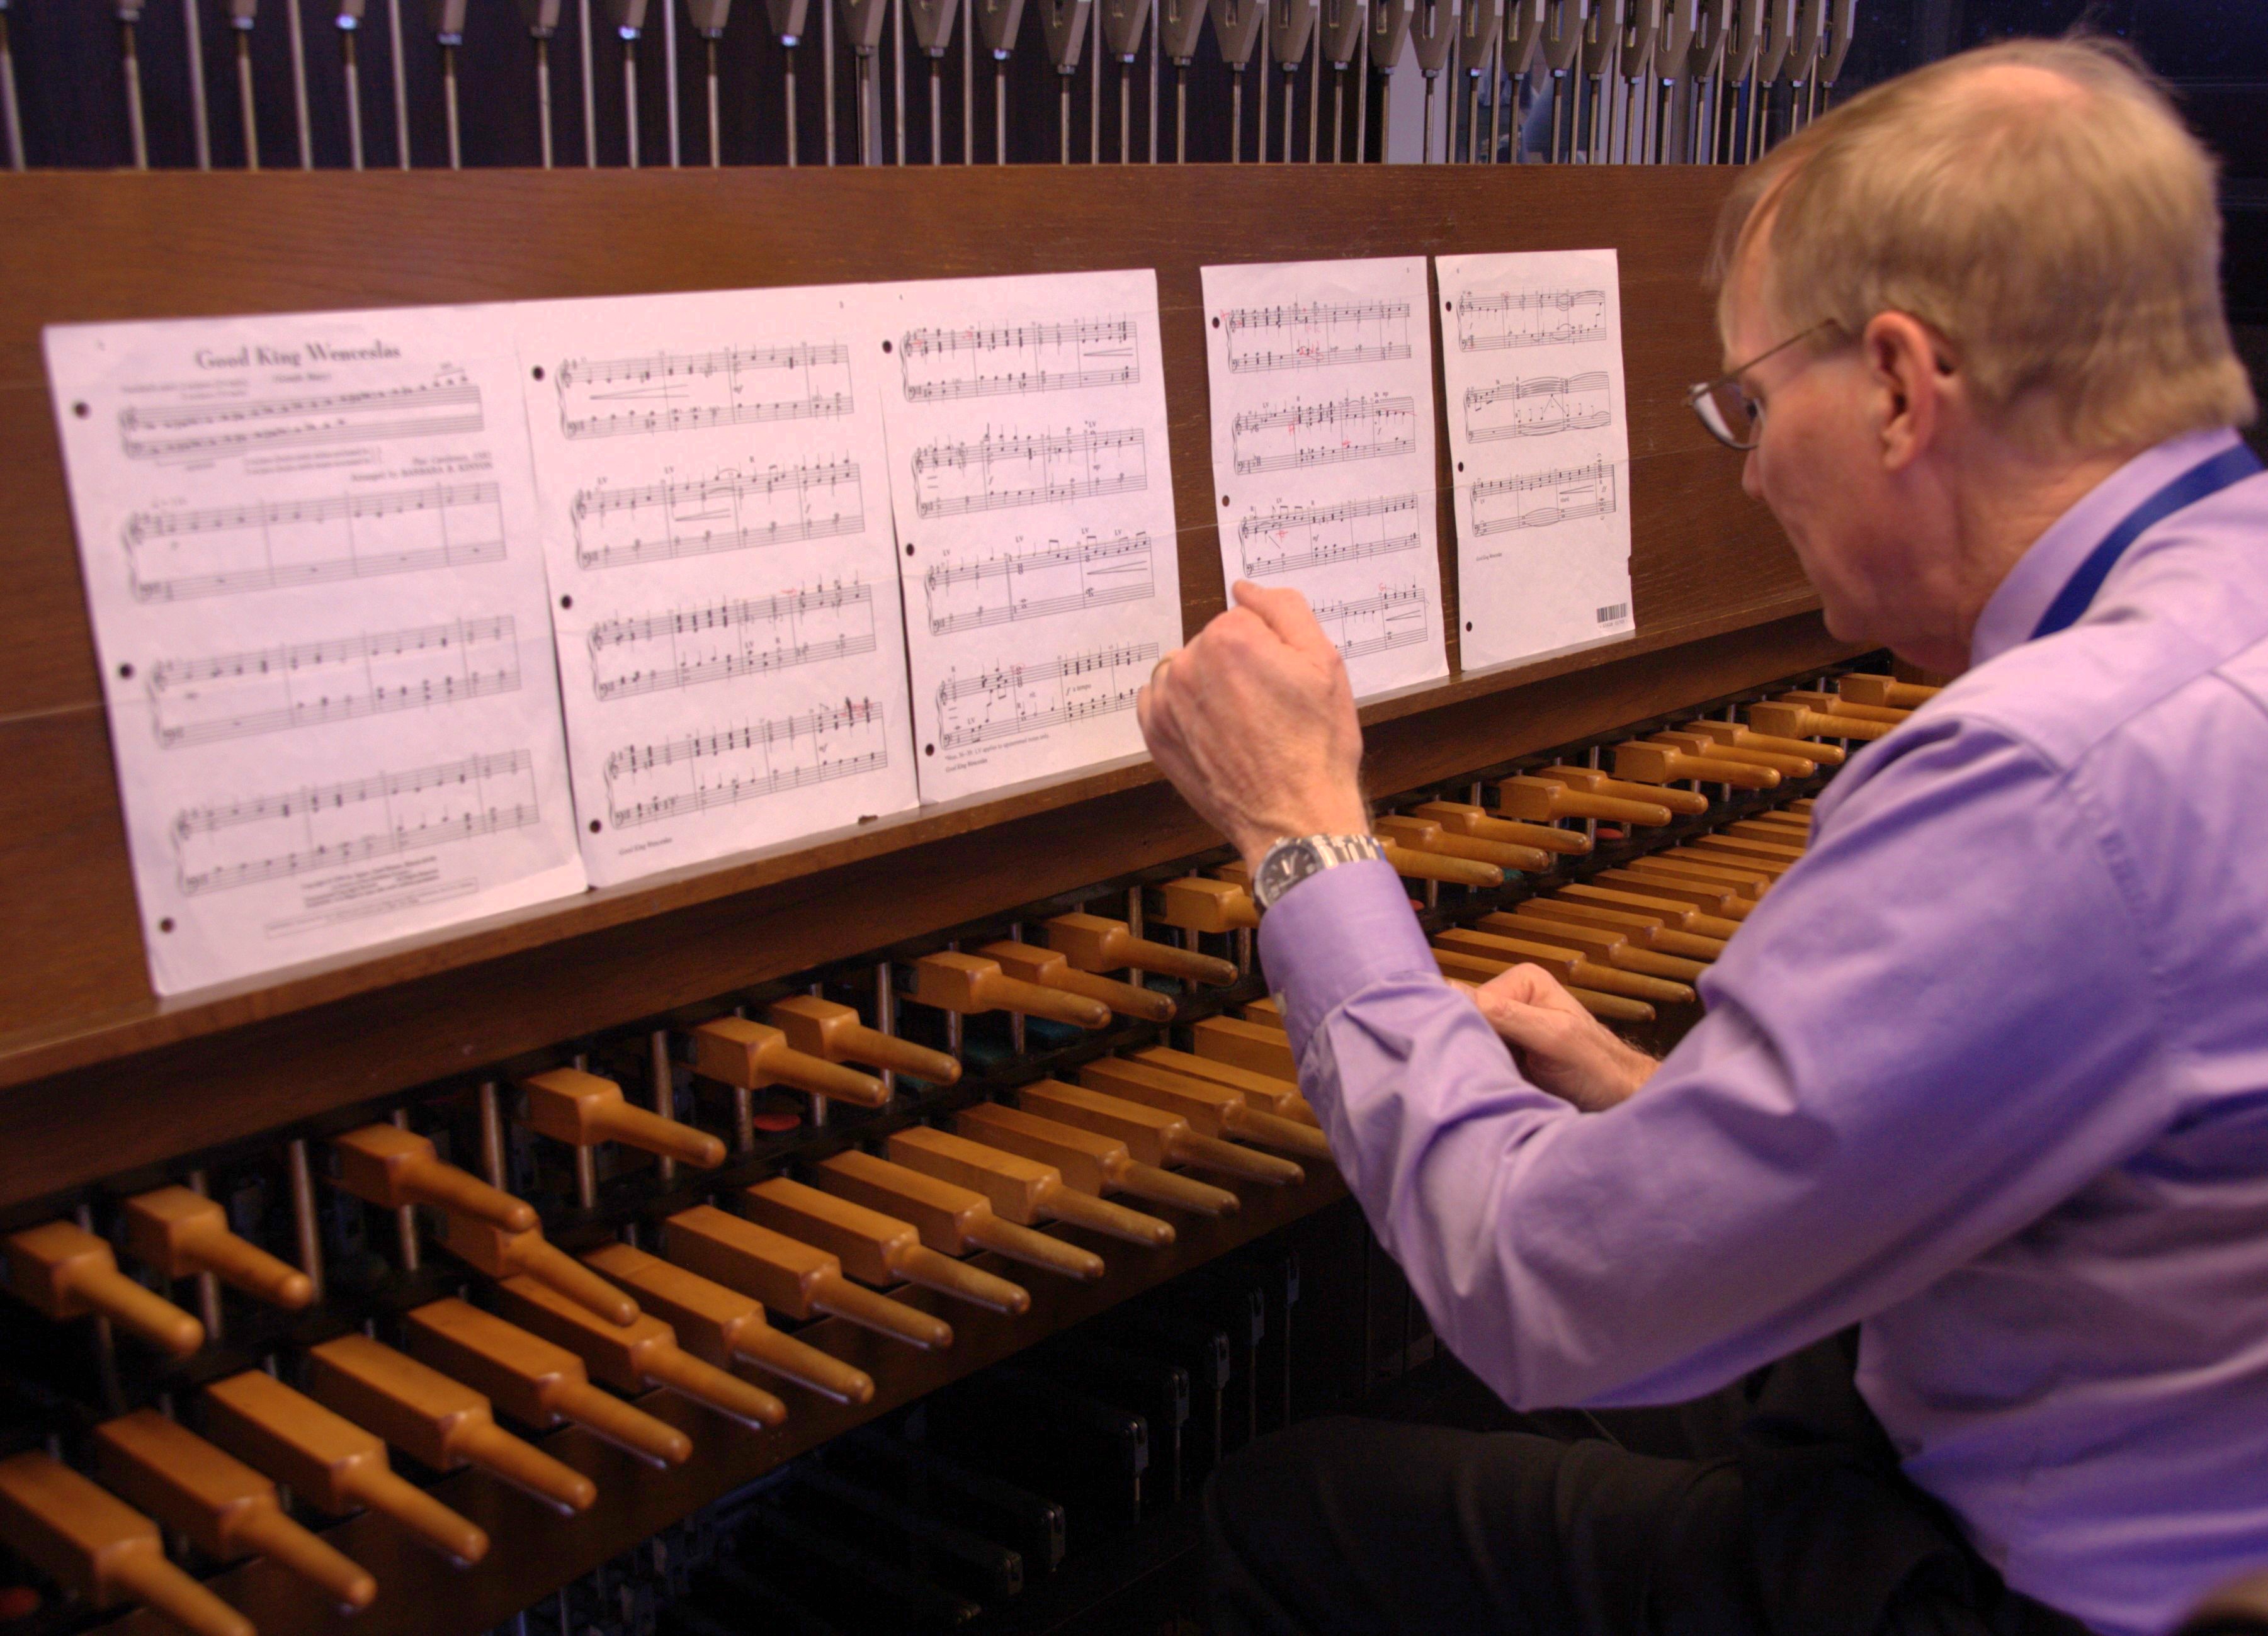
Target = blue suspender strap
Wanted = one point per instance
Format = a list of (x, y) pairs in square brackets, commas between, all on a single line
[(2210, 477)]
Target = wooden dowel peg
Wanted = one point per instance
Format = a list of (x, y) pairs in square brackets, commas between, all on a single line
[(1659, 763), (1030, 963), (1585, 973), (1245, 1044), (329, 1461), (1735, 854), (1719, 908), (1606, 944), (1590, 782), (1885, 692), (789, 1276), (1468, 967), (1709, 747), (532, 1380), (1733, 734), (227, 1509), (1150, 1134), (874, 1248), (1802, 808), (1267, 1092), (442, 1422), (529, 1254), (834, 1032), (65, 1271), (1196, 904), (1092, 1162), (965, 984), (1647, 926), (755, 1056), (1433, 866), (1746, 885), (1425, 835), (1459, 818), (641, 1357), (1093, 944), (1780, 853), (384, 1165), (1796, 721), (180, 1233), (1210, 1109), (584, 1109), (1542, 800), (96, 1545), (1836, 705), (1265, 1010), (953, 1220), (719, 1325), (1021, 1190)]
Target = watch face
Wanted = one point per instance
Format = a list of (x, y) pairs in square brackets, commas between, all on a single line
[(1288, 863)]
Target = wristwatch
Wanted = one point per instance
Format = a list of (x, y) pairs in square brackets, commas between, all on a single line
[(1291, 861)]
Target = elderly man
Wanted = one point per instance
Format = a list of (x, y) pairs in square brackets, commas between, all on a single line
[(1987, 1076)]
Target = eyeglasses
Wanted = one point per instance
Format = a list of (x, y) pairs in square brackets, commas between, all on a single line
[(1732, 418)]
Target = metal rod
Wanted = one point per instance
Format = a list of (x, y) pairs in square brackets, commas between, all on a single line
[(669, 82), (401, 62), (629, 100), (1425, 141), (862, 78), (1094, 89), (999, 111), (303, 125), (787, 98), (449, 106), (969, 91), (1315, 94), (405, 1218), (1291, 82), (245, 107), (1260, 156), (827, 69), (543, 99), (935, 112), (306, 1230), (1125, 114), (12, 118), (131, 65), (1339, 115), (586, 1177), (1153, 88), (106, 1340), (1180, 114), (1236, 115), (898, 70), (200, 113), (1063, 120), (664, 1093), (590, 89), (1362, 101), (488, 1101), (1496, 98), (208, 1287), (886, 1016), (716, 122)]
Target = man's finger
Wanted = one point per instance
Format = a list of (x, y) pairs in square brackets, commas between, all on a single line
[(1284, 611)]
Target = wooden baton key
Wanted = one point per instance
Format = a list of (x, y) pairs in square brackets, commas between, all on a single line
[(1429, 835), (720, 1326), (635, 1357), (834, 1033), (329, 1461), (1798, 721), (1706, 745), (1210, 1109), (1792, 836), (1720, 909), (1093, 944), (756, 1056), (1469, 963), (1884, 691), (1245, 1044), (789, 1276), (389, 1167), (1265, 1009), (95, 1544), (970, 985), (536, 1383), (953, 1220), (1152, 1135), (1732, 735), (1028, 962), (1092, 1162), (227, 1509), (1767, 860), (1659, 763), (1590, 781), (1194, 903), (583, 1111), (1610, 945), (1023, 1190), (1834, 704), (180, 1233), (874, 1248), (65, 1271), (1649, 923), (1270, 1093), (529, 1254), (442, 1422), (1544, 800), (1459, 818), (1412, 864), (1743, 887), (1588, 973)]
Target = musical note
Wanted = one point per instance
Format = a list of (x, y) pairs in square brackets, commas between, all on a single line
[(1013, 698), (667, 391), (1541, 499), (210, 428), (1532, 318), (1301, 435), (739, 636), (1315, 334), (732, 511), (1292, 538), (1002, 469), (219, 550), (327, 826), (268, 690), (1537, 409), (695, 772), (1034, 583), (991, 361), (1361, 626)]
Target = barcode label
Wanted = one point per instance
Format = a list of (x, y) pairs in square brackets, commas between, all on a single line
[(1613, 612)]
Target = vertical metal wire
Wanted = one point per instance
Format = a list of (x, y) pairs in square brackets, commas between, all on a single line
[(630, 102), (1154, 21), (716, 116), (1362, 102), (827, 71), (898, 70), (1094, 89), (306, 1230), (400, 83), (449, 106), (590, 88), (1315, 92), (199, 111), (12, 119), (405, 1218), (304, 125), (542, 99), (969, 88), (787, 100), (245, 106), (669, 81), (137, 134)]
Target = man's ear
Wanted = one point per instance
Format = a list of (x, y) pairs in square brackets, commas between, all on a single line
[(1910, 388)]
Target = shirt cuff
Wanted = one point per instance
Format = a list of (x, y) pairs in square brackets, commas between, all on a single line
[(1334, 934)]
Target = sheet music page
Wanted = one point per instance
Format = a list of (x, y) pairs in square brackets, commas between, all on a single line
[(1539, 445), (1035, 503), (717, 521), (309, 547), (1321, 377)]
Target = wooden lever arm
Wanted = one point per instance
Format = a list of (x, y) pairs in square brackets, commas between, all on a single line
[(1209, 1153), (180, 1233), (1273, 1130), (1746, 738), (143, 1575), (507, 1255), (61, 1269), (964, 983), (1431, 866), (1884, 691), (919, 1263), (1590, 782), (584, 1109), (1197, 903), (1050, 970), (1541, 800), (806, 1366), (755, 1056), (789, 1276), (1093, 944), (952, 1220), (1429, 835), (1161, 1186), (854, 1303), (1022, 1192), (1459, 818), (264, 1531), (636, 1357), (1658, 764), (1044, 1250), (824, 1029), (1705, 745), (689, 1376), (871, 1244), (1834, 704), (485, 1444), (1797, 721), (388, 1167), (93, 1544)]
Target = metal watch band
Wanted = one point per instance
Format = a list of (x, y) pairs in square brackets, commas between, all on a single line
[(1292, 860)]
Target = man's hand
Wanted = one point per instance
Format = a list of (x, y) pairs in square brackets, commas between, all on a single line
[(1561, 1047), (1254, 723)]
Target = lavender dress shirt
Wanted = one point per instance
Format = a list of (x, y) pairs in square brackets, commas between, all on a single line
[(1986, 1073)]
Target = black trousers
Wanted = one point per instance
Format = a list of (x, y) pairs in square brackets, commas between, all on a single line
[(1774, 1508)]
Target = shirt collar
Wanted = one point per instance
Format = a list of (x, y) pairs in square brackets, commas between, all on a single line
[(2013, 611)]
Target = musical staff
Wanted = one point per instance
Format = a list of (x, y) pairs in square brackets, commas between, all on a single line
[(219, 550), (1000, 470), (1532, 318), (696, 772), (1362, 626), (1539, 408), (1292, 538), (1315, 334), (1031, 585), (738, 636), (213, 429), (730, 511), (1302, 435), (675, 391), (1015, 698), (269, 690), (993, 361), (1541, 499), (328, 826)]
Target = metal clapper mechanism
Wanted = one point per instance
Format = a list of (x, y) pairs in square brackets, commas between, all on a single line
[(1236, 29), (1290, 24), (1432, 31), (1341, 22), (1122, 22), (933, 27), (1063, 23), (1180, 22)]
